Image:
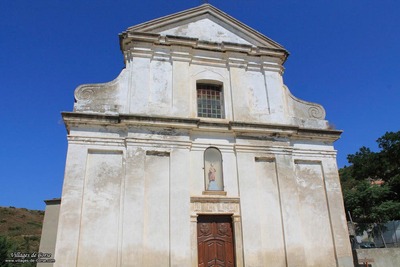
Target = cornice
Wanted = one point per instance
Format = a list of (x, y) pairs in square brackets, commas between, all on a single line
[(271, 149), (144, 45), (54, 201), (152, 142), (97, 141), (76, 119), (225, 148)]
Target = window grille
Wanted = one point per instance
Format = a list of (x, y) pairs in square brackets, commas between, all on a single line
[(210, 101)]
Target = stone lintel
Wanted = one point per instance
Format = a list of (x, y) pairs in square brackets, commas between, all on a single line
[(214, 199)]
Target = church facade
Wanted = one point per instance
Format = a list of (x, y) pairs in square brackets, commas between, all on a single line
[(197, 154)]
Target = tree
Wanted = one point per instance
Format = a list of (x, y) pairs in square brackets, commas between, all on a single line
[(371, 184), (6, 247)]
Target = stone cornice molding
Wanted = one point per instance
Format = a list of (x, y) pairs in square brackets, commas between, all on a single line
[(152, 142), (97, 141), (128, 142), (262, 149), (224, 148), (191, 50), (75, 119), (313, 154), (282, 150), (136, 40)]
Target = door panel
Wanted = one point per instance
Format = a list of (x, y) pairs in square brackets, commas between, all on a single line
[(215, 241)]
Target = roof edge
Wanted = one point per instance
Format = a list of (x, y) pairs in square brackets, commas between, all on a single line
[(201, 10)]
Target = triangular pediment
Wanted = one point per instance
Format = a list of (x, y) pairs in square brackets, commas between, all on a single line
[(206, 29), (206, 23)]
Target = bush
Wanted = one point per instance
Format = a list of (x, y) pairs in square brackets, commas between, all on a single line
[(6, 247)]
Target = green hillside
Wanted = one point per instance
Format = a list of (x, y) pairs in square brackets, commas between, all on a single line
[(20, 231)]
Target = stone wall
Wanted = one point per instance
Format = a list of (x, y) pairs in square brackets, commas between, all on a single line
[(382, 257)]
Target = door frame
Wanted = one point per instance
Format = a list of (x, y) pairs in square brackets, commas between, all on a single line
[(214, 206)]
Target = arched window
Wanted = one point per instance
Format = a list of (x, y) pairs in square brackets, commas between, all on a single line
[(213, 169), (210, 100)]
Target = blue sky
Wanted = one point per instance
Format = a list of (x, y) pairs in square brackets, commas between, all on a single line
[(345, 55)]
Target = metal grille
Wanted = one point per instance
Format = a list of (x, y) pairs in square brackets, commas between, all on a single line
[(209, 101)]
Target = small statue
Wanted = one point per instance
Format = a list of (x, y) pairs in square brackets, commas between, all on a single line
[(212, 185)]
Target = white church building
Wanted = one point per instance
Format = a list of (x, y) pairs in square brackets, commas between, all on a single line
[(197, 154)]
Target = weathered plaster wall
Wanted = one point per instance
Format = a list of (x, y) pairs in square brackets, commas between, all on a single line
[(49, 230), (101, 210), (263, 236), (207, 30), (156, 221), (125, 205), (314, 214), (160, 79), (159, 86), (142, 211)]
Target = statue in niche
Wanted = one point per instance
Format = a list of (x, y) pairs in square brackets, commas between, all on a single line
[(212, 184), (213, 170)]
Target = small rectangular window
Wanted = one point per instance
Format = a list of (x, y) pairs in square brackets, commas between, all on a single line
[(209, 101)]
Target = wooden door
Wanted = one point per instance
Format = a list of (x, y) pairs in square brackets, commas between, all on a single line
[(215, 241)]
